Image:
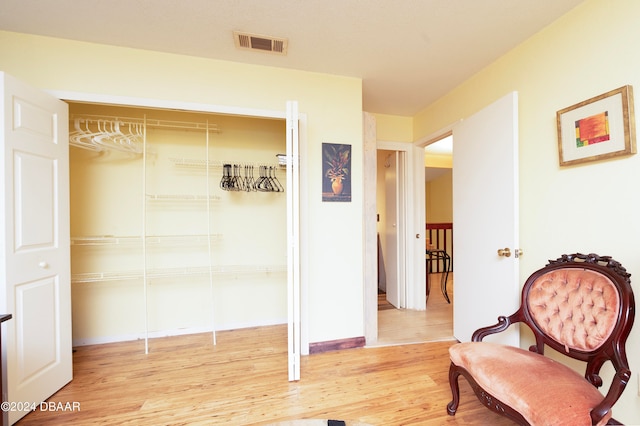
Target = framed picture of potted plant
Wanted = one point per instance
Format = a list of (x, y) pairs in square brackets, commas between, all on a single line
[(336, 172)]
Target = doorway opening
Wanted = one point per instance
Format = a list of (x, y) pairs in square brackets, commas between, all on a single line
[(396, 324), (489, 160), (438, 173)]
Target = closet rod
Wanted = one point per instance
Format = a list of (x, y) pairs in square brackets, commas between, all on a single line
[(105, 134), (189, 162), (151, 122)]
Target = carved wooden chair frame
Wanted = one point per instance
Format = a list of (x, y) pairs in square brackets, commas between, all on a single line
[(613, 349)]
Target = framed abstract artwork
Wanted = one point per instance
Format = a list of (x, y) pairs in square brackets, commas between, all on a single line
[(598, 128)]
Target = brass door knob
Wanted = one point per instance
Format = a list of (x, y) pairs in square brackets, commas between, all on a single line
[(506, 252)]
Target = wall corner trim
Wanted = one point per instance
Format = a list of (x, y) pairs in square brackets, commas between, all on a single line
[(335, 345)]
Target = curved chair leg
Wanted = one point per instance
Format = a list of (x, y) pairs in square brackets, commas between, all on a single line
[(446, 265), (452, 407)]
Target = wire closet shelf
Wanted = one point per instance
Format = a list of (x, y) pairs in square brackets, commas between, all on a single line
[(126, 134)]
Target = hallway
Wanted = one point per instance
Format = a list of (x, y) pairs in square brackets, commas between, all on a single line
[(402, 326)]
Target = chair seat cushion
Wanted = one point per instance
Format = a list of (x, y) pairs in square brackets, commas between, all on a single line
[(543, 391)]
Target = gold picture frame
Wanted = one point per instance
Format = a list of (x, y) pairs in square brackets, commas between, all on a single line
[(598, 128)]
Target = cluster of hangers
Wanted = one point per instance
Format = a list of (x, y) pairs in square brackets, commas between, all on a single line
[(237, 177), (107, 134)]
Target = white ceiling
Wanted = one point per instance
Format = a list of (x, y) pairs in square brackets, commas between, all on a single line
[(407, 52)]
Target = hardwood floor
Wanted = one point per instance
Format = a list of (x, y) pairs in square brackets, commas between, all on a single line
[(185, 380), (401, 326)]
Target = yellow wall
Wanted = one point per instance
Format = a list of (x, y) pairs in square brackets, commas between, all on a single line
[(333, 231), (394, 128), (585, 208), (438, 161), (439, 199)]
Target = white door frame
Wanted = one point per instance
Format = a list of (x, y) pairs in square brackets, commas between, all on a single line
[(416, 293), (370, 229), (412, 288), (420, 166), (415, 218), (405, 204), (229, 110)]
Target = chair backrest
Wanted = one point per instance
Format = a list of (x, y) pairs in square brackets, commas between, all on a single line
[(582, 306)]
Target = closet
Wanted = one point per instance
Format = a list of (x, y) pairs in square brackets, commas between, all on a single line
[(178, 222)]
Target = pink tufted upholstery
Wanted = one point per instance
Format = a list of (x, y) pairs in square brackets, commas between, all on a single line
[(578, 308), (583, 307), (532, 384)]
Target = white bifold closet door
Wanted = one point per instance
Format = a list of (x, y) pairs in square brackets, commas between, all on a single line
[(293, 239), (35, 256)]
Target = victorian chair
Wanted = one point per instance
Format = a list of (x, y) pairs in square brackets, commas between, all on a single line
[(581, 306)]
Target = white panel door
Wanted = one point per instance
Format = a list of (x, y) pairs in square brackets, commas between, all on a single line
[(35, 243), (392, 254), (293, 242), (485, 217)]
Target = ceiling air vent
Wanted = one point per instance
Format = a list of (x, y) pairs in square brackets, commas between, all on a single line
[(259, 42)]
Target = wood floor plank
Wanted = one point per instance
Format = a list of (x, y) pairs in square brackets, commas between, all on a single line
[(402, 326)]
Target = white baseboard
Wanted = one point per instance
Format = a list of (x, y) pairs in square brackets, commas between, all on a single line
[(174, 332)]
